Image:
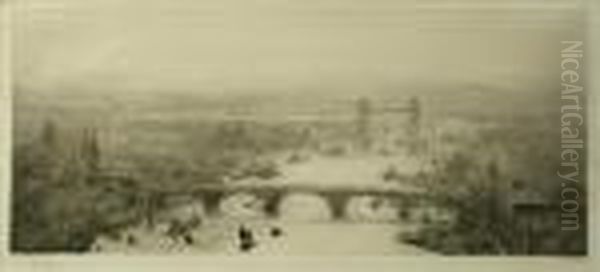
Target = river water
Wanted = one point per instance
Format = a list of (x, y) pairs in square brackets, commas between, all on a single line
[(304, 226)]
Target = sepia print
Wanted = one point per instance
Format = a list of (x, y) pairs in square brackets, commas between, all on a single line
[(291, 128)]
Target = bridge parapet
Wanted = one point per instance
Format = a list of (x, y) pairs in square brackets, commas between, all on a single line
[(337, 197)]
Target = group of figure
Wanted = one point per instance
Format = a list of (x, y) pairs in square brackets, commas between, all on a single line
[(182, 231), (247, 238)]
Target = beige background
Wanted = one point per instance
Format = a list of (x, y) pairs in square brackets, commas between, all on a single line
[(367, 263)]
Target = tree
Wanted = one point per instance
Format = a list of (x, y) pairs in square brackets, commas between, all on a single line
[(49, 137), (90, 150)]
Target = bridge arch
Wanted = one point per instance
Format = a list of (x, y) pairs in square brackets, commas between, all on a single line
[(304, 206), (288, 201)]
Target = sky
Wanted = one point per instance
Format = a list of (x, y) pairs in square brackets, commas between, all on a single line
[(287, 45)]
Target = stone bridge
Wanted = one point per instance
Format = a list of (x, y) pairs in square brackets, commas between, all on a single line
[(336, 197)]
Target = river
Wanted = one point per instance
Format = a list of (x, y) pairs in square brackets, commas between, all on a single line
[(304, 226)]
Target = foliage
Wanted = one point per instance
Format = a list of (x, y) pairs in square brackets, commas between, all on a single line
[(55, 207), (478, 181)]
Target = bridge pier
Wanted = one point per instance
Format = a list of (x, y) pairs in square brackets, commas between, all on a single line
[(272, 203), (338, 204), (211, 200)]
